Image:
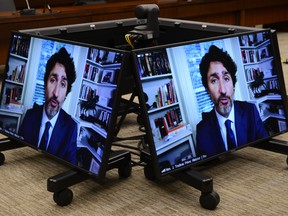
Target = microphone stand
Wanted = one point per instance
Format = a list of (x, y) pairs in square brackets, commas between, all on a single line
[(48, 6), (28, 10)]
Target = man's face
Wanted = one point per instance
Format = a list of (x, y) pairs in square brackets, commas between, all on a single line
[(220, 88), (56, 89)]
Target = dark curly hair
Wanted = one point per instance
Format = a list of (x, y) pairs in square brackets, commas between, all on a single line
[(62, 57), (216, 54)]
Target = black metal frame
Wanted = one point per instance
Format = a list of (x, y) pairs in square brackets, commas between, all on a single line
[(58, 184)]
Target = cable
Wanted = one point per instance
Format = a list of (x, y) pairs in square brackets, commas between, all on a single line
[(132, 39), (127, 37)]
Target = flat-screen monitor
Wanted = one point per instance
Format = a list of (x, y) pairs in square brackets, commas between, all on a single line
[(189, 90), (75, 87)]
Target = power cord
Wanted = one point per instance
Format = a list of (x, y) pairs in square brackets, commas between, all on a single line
[(132, 39)]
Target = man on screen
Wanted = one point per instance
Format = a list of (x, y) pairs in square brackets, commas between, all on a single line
[(231, 123), (48, 126)]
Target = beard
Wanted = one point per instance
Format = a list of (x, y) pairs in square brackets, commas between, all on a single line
[(223, 109), (52, 107)]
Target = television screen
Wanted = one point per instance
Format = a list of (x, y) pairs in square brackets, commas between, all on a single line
[(204, 98), (60, 97)]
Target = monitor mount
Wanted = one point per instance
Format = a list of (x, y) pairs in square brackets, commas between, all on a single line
[(60, 183), (209, 199)]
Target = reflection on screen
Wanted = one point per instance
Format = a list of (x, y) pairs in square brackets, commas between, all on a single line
[(71, 86), (187, 110)]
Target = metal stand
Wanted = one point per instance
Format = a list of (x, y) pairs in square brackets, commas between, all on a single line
[(209, 199), (59, 184), (7, 144), (120, 159)]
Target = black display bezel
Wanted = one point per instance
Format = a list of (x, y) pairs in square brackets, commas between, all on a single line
[(104, 166), (143, 98)]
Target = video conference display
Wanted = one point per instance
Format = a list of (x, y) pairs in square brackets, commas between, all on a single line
[(200, 99), (205, 98), (59, 97)]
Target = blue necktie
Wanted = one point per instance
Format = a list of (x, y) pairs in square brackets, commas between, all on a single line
[(45, 137), (231, 141)]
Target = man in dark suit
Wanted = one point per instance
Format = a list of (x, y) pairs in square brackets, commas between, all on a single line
[(231, 123), (49, 127)]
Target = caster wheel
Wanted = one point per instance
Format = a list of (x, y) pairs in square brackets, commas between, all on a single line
[(209, 200), (125, 170), (149, 172), (2, 158), (63, 197)]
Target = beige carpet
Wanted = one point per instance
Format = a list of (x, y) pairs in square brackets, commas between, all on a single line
[(250, 182)]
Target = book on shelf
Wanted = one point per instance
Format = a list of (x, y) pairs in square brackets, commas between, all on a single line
[(249, 56), (87, 92), (99, 117), (252, 73), (144, 65), (18, 73), (20, 46), (266, 88), (103, 118), (153, 63), (273, 84), (170, 124), (253, 39), (13, 95), (104, 57), (166, 94), (92, 73), (100, 75)]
